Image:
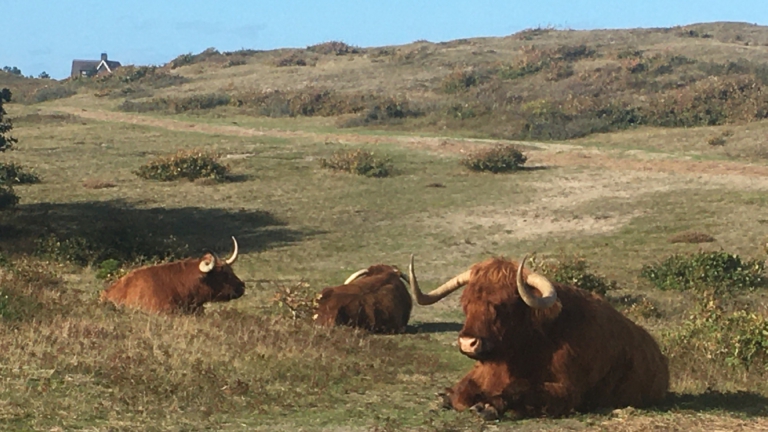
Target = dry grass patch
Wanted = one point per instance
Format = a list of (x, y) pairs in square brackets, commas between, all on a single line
[(692, 237), (98, 184)]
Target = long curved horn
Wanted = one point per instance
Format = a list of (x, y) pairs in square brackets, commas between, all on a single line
[(233, 258), (548, 293), (355, 275), (206, 266), (438, 293)]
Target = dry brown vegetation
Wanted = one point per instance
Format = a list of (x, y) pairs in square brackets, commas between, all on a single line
[(667, 222)]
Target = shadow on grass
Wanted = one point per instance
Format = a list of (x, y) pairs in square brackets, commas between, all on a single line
[(742, 402), (119, 230), (434, 327)]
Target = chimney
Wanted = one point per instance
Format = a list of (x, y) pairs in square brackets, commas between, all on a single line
[(104, 56)]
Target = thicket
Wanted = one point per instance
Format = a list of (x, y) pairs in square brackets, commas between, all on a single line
[(721, 272), (498, 159), (574, 270), (184, 164), (360, 162)]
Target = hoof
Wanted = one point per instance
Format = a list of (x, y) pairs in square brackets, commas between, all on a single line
[(444, 398), (486, 411)]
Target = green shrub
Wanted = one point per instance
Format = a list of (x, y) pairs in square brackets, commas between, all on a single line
[(110, 269), (387, 111), (119, 242), (719, 271), (11, 173), (360, 162), (499, 159), (575, 271), (185, 164), (737, 339), (53, 92), (178, 104), (75, 250)]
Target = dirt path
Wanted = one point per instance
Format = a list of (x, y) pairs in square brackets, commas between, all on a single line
[(550, 154)]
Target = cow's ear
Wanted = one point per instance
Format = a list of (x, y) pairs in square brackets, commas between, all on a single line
[(542, 317), (207, 263)]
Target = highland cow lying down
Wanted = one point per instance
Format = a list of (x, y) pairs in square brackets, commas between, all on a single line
[(180, 286), (375, 299), (544, 348)]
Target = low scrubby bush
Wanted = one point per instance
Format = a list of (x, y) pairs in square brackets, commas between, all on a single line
[(119, 242), (196, 102), (53, 92), (498, 159), (333, 47), (360, 162), (12, 173), (575, 271), (722, 272), (185, 164), (732, 338), (298, 301)]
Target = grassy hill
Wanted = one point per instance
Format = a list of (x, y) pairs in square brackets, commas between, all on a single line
[(641, 145)]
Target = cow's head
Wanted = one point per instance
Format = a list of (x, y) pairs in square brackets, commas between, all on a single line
[(218, 276), (503, 309)]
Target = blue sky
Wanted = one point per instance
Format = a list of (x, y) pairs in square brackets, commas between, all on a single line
[(45, 35)]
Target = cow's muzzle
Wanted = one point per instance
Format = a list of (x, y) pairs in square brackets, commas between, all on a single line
[(472, 347)]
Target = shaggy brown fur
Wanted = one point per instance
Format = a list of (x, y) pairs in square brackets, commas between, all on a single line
[(579, 354), (176, 287), (378, 302)]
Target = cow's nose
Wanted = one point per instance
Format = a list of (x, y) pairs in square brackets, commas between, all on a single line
[(470, 345)]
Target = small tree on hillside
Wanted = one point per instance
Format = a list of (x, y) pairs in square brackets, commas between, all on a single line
[(6, 141), (7, 197)]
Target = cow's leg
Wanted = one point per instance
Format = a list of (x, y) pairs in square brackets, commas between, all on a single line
[(463, 395), (553, 399)]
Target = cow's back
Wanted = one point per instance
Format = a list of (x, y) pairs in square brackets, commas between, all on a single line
[(379, 304), (617, 362), (148, 288)]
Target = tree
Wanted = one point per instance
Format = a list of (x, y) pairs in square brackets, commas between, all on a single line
[(12, 70), (6, 141), (44, 75), (8, 197)]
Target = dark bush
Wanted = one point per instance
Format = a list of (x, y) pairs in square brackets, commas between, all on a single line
[(178, 104), (360, 162), (498, 159), (53, 92), (8, 197), (185, 164), (295, 58), (116, 241), (721, 272), (575, 271), (333, 47), (11, 173)]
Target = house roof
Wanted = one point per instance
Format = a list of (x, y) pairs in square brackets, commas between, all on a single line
[(81, 65)]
